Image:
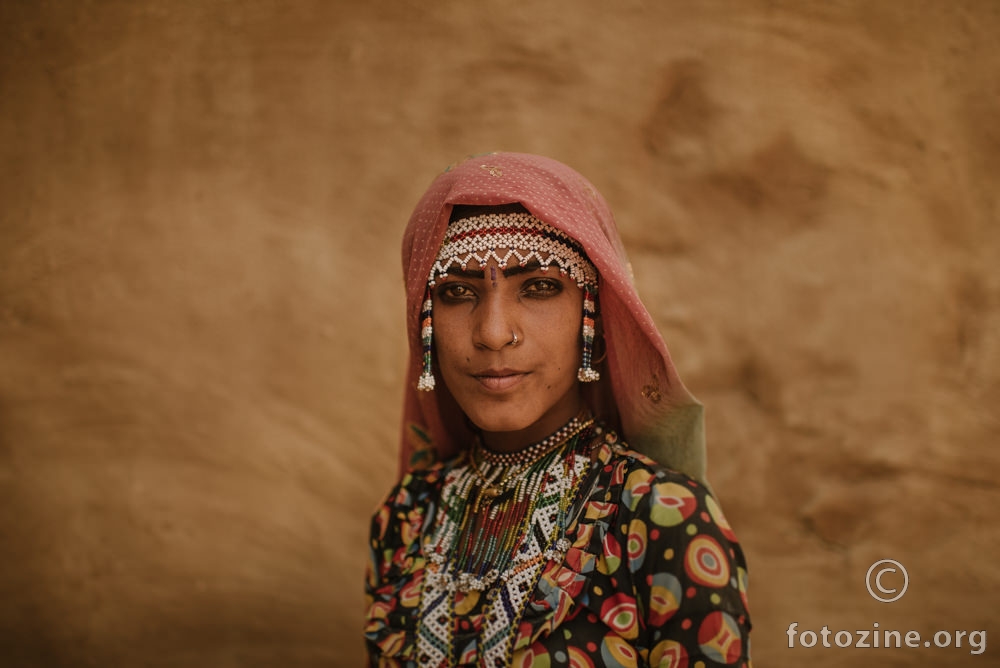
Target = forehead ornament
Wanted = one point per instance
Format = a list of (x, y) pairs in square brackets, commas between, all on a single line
[(521, 235)]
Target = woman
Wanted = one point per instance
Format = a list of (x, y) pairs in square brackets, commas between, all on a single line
[(553, 509)]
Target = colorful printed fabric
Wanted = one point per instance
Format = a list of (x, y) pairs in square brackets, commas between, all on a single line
[(654, 576)]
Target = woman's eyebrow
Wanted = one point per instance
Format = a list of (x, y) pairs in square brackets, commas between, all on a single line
[(467, 273), (534, 265)]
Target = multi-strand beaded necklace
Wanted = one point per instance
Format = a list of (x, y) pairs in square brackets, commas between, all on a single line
[(502, 516)]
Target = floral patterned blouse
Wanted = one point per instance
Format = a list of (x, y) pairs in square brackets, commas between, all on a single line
[(653, 575)]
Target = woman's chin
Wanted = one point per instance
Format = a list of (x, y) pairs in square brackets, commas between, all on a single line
[(501, 424)]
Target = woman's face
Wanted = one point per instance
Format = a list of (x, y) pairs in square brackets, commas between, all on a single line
[(516, 394)]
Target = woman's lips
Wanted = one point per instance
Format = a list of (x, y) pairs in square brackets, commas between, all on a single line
[(500, 380)]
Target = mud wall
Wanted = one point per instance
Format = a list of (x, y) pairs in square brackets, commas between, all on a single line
[(201, 334)]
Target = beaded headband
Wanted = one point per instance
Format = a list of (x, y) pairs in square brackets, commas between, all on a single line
[(526, 238)]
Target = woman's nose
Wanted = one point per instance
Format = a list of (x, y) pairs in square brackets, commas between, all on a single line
[(495, 324)]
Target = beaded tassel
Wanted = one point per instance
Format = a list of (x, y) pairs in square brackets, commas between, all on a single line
[(586, 374), (426, 381)]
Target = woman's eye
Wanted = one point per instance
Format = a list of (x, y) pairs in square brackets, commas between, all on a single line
[(454, 292), (543, 287)]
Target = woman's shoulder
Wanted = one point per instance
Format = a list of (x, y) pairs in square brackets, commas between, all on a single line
[(644, 485), (633, 469), (420, 484)]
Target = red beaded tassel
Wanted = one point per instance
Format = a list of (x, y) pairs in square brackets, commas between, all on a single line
[(586, 374), (426, 381)]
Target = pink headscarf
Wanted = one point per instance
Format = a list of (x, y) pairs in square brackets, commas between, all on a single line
[(639, 393)]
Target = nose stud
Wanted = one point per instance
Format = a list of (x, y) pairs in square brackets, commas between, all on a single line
[(513, 341)]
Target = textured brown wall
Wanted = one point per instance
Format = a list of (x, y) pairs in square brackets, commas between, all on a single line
[(201, 333)]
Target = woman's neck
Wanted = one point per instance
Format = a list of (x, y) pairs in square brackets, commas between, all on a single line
[(553, 420)]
